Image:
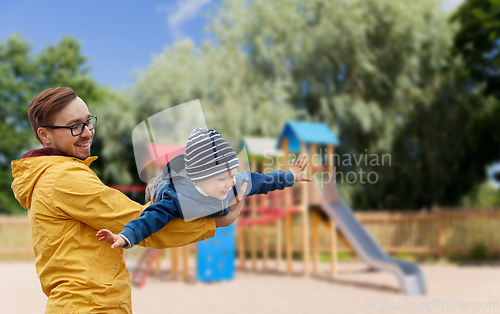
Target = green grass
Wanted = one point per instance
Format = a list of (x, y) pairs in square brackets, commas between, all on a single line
[(406, 256)]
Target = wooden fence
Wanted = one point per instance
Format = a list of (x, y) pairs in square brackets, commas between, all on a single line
[(15, 238), (444, 232)]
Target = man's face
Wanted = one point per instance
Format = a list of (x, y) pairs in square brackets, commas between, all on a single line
[(62, 139), (220, 185)]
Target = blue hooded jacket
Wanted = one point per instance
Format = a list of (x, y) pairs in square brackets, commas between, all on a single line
[(177, 196)]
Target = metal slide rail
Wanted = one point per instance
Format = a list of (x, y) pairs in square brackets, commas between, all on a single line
[(410, 277)]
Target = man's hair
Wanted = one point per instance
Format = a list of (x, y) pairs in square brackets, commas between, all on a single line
[(48, 103)]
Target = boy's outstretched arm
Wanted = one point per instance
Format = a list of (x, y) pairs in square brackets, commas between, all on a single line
[(279, 180), (110, 237)]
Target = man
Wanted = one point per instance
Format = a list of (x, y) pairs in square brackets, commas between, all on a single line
[(67, 204)]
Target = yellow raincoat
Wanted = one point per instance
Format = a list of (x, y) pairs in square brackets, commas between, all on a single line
[(67, 204)]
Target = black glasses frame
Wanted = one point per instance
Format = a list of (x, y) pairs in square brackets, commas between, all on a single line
[(74, 127)]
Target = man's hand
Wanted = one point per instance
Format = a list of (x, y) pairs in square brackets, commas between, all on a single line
[(234, 210), (298, 167), (115, 240)]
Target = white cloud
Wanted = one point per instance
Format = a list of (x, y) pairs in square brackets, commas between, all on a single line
[(448, 6), (181, 12)]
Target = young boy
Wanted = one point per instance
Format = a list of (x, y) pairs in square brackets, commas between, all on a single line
[(201, 183)]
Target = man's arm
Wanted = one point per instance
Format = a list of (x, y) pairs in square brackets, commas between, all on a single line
[(79, 194)]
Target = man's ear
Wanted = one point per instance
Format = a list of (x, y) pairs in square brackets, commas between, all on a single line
[(44, 136)]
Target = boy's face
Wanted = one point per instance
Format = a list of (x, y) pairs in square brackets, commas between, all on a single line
[(220, 185)]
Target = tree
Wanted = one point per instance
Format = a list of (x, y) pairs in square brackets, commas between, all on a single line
[(477, 41), (22, 76), (235, 99), (380, 73)]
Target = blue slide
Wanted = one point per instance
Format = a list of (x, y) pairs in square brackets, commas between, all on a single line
[(410, 277)]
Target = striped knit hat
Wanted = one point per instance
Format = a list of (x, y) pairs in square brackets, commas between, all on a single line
[(208, 155)]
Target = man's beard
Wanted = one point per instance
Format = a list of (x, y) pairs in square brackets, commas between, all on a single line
[(67, 154)]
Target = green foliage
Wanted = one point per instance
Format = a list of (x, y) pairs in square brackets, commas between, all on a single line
[(380, 73), (496, 175), (114, 136), (483, 195), (478, 41), (325, 257), (345, 256), (406, 256), (236, 101), (479, 251), (22, 76)]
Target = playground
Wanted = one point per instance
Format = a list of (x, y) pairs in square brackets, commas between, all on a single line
[(313, 204), (355, 289), (282, 254)]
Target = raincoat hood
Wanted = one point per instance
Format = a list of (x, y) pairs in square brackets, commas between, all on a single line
[(193, 203), (28, 170)]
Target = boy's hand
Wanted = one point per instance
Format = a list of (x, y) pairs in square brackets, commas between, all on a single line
[(297, 168), (115, 240)]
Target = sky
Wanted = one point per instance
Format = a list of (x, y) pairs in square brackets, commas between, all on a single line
[(116, 36)]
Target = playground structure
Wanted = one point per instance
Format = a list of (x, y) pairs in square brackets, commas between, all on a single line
[(318, 200), (281, 207)]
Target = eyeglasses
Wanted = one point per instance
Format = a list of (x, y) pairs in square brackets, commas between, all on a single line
[(77, 128)]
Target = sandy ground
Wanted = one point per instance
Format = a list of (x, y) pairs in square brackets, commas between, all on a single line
[(451, 289)]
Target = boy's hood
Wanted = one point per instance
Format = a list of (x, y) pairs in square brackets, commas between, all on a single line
[(28, 170), (175, 170), (176, 175)]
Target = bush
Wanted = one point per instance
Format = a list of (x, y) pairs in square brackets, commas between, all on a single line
[(479, 251)]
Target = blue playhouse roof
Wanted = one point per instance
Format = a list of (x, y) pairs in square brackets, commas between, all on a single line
[(297, 132)]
